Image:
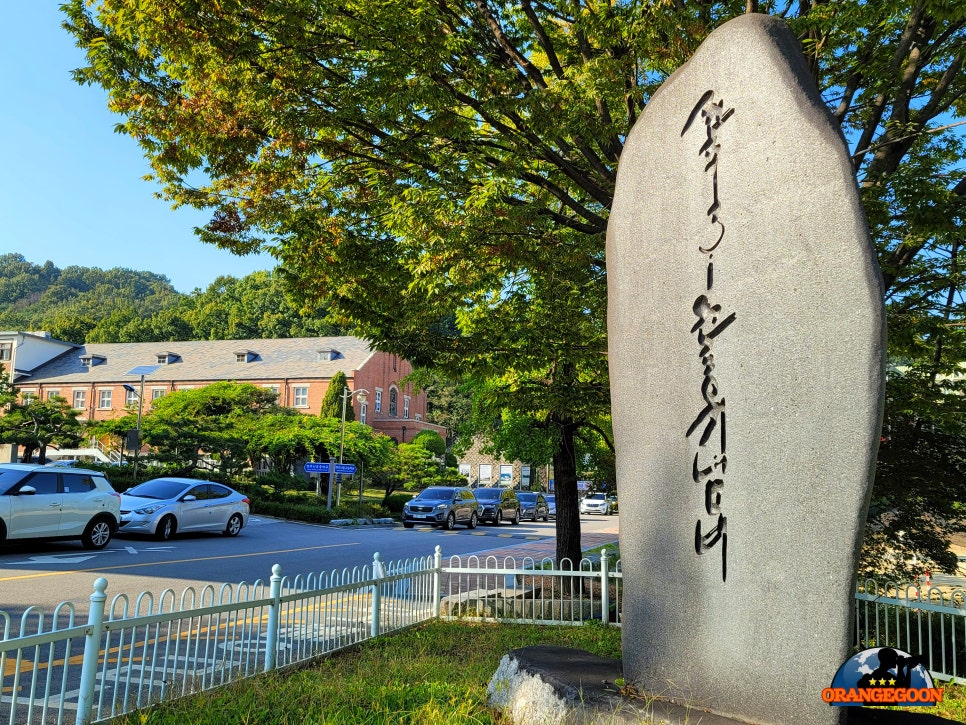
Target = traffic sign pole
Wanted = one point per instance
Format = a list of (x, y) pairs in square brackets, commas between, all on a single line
[(328, 504)]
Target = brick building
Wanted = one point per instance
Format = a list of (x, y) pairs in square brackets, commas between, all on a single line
[(93, 377)]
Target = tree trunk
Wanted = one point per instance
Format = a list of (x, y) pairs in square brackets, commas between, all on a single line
[(565, 487)]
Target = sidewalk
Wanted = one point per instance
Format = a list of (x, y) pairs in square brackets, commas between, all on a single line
[(547, 547)]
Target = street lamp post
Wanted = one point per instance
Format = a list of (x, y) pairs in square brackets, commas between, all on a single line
[(142, 370), (361, 393), (137, 431)]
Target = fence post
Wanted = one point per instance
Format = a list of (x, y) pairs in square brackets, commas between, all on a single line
[(437, 580), (274, 613), (604, 588), (378, 572), (92, 652)]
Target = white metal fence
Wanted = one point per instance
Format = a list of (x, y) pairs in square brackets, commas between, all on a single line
[(133, 653), (926, 620)]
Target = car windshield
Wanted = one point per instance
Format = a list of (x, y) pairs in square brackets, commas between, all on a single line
[(551, 499), (436, 494), (488, 494), (160, 488), (595, 497), (528, 497)]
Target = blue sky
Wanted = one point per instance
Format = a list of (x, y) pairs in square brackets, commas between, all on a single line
[(71, 189)]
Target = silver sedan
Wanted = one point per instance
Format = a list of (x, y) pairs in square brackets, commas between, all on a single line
[(162, 506)]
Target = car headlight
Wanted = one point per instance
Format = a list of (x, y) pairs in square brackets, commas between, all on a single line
[(441, 506), (148, 510)]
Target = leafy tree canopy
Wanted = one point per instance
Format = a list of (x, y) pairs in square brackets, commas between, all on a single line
[(332, 402), (431, 441), (416, 162), (86, 304), (35, 425)]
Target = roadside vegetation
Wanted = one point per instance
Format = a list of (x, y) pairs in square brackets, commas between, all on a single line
[(435, 673)]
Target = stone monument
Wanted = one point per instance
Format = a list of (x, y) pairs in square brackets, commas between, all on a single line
[(746, 332)]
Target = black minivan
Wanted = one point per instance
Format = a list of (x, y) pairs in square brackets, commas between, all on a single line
[(497, 504)]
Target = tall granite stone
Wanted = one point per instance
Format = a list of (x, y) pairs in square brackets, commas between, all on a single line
[(746, 331)]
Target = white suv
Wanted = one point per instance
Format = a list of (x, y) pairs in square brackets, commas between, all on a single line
[(595, 503), (43, 502)]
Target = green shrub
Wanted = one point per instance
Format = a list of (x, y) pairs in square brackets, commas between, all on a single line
[(396, 501), (309, 512), (282, 481)]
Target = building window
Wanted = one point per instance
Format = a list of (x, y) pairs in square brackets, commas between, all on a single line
[(80, 399), (27, 395), (405, 406), (130, 397), (300, 396), (392, 401), (53, 393), (378, 400), (6, 350), (157, 393), (104, 399), (363, 412), (419, 416)]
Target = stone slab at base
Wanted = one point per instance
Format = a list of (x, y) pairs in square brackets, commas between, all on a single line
[(548, 685)]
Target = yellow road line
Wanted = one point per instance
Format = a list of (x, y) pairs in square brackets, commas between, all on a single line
[(195, 633), (38, 575)]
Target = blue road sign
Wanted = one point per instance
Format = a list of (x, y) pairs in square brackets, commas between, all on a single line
[(343, 468)]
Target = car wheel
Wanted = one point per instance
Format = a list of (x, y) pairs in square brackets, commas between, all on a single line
[(499, 518), (98, 534), (408, 524), (472, 523), (450, 521), (234, 525), (516, 517), (166, 528)]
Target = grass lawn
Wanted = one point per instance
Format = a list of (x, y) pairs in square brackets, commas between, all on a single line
[(435, 673)]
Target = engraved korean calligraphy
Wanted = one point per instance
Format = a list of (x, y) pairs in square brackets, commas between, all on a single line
[(710, 462)]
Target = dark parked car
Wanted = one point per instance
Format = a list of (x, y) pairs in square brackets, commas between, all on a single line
[(533, 506), (551, 505), (613, 503), (497, 504), (442, 506)]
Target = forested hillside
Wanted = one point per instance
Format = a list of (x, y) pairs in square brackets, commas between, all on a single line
[(87, 304)]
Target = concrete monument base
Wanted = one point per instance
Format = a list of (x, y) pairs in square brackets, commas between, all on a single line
[(547, 685)]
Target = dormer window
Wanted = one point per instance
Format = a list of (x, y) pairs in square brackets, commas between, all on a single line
[(92, 359), (328, 355), (166, 358), (244, 356)]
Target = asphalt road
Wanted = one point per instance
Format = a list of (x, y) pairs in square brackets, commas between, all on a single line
[(45, 574)]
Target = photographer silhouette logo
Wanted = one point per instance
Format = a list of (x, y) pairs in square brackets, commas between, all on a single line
[(883, 676)]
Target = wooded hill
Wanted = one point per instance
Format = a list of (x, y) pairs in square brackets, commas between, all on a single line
[(87, 304)]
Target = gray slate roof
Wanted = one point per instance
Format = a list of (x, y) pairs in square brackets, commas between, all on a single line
[(207, 360)]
